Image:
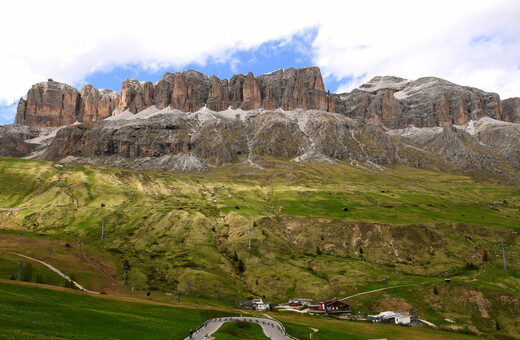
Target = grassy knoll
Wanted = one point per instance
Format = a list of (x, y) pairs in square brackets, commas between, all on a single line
[(239, 330), (318, 231)]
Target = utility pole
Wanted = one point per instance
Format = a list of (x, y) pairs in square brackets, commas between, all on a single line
[(80, 251), (179, 293), (189, 285), (20, 265), (250, 237), (102, 228), (503, 254), (50, 251)]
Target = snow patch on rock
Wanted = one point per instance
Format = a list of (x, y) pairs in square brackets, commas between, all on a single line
[(473, 127), (413, 131)]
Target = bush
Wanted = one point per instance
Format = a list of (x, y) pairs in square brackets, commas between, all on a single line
[(318, 251), (470, 266), (243, 324), (241, 266)]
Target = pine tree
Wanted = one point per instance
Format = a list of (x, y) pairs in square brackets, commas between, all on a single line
[(318, 251), (27, 272)]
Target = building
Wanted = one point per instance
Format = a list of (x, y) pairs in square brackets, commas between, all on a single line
[(390, 317), (331, 306), (318, 308), (334, 306), (294, 304)]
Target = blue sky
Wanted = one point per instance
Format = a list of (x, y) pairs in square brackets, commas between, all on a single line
[(469, 42), (268, 57)]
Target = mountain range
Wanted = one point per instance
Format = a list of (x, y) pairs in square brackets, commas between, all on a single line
[(188, 121)]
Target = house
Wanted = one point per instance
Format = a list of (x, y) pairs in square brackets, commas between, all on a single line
[(390, 317), (258, 304), (331, 306), (294, 304), (318, 308), (334, 306)]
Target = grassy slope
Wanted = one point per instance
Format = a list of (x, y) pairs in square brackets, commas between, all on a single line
[(234, 330), (423, 224), (30, 312)]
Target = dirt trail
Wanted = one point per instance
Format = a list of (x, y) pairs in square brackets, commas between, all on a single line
[(57, 272), (380, 289)]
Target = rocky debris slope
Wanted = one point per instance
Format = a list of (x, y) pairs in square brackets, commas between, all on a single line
[(15, 140), (397, 103), (174, 140)]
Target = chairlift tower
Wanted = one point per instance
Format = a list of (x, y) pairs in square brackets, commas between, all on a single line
[(20, 265), (102, 228), (179, 293), (503, 254)]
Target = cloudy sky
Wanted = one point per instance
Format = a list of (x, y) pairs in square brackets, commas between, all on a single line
[(475, 43)]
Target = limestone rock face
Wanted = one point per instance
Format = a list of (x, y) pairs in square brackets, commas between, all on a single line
[(393, 102), (135, 96), (511, 110), (291, 89), (218, 98), (427, 102), (49, 104), (97, 104), (251, 93)]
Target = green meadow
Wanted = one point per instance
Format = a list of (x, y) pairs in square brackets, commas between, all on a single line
[(318, 231)]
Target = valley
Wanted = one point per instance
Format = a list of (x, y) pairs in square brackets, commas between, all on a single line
[(317, 231)]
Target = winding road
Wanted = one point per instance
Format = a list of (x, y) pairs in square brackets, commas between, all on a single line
[(272, 329)]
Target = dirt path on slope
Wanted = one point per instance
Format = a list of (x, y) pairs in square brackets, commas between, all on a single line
[(80, 287)]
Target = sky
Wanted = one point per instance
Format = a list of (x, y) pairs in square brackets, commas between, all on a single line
[(474, 43)]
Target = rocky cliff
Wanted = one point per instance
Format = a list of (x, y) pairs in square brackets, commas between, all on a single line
[(392, 102), (511, 110), (56, 104), (397, 103)]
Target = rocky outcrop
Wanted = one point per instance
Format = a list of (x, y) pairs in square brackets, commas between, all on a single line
[(55, 104), (397, 103), (511, 110), (135, 96), (97, 104), (49, 104), (13, 140)]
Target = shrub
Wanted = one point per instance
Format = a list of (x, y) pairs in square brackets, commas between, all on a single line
[(243, 324)]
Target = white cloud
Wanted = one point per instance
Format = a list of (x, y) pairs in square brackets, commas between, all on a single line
[(356, 39)]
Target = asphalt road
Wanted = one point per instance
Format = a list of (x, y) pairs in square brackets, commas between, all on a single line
[(272, 328)]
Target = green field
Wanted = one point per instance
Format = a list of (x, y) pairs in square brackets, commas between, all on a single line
[(401, 226), (28, 312)]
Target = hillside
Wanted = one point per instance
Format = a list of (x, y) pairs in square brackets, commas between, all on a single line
[(401, 226)]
